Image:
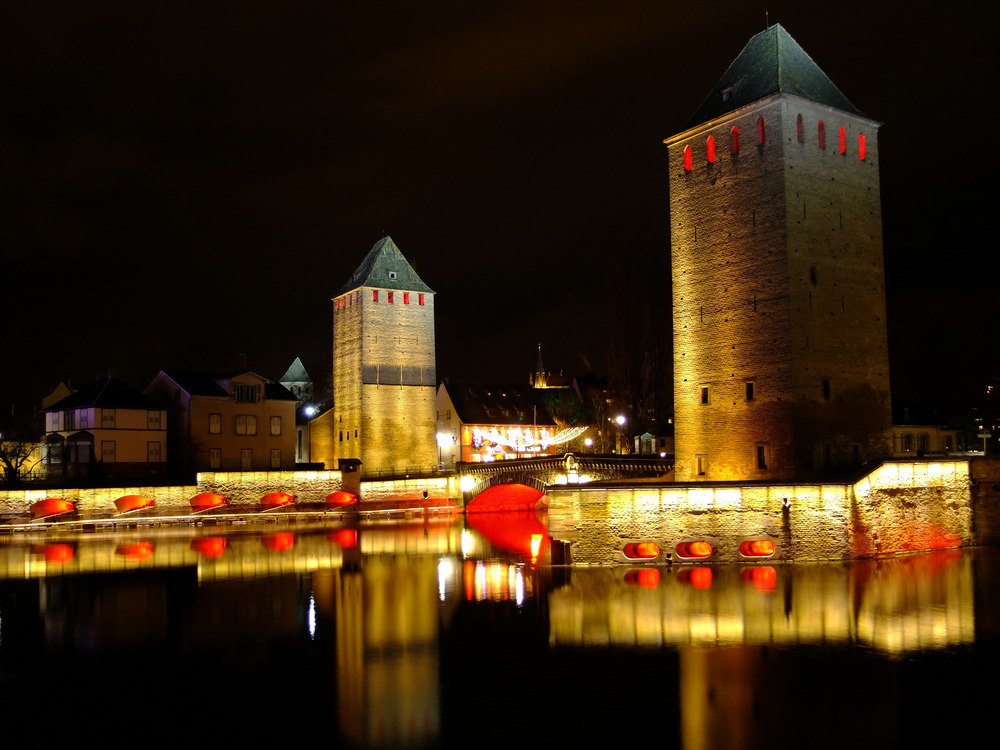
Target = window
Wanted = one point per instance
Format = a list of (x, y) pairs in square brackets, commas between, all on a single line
[(710, 149), (821, 134), (702, 465), (842, 141), (215, 424), (734, 140), (862, 151), (420, 299), (214, 458), (760, 131), (340, 436), (153, 451), (704, 394), (374, 295), (406, 298), (246, 459), (687, 158), (152, 420), (275, 425), (826, 389), (298, 438), (246, 424), (108, 419), (388, 297), (245, 393), (69, 420), (84, 419), (799, 130), (275, 458), (392, 275), (108, 451), (54, 421), (750, 393), (761, 456)]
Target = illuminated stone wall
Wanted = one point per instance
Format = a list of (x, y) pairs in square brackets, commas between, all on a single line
[(902, 506), (97, 500), (777, 281), (248, 487)]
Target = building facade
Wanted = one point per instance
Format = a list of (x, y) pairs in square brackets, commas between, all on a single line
[(384, 378), (780, 357), (235, 422)]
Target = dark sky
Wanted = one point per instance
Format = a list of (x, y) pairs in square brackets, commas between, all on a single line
[(187, 184)]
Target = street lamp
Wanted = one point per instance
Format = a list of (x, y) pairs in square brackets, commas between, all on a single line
[(620, 421)]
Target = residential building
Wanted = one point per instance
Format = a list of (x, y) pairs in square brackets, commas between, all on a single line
[(781, 366), (106, 430), (227, 422)]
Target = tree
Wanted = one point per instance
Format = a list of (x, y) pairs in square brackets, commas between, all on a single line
[(20, 435)]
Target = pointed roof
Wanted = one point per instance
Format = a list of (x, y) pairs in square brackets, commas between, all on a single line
[(296, 373), (771, 63), (386, 268), (109, 393)]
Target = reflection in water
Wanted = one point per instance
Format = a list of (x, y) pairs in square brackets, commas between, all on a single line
[(410, 633)]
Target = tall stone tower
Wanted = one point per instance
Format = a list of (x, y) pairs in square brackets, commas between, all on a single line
[(384, 382), (781, 368)]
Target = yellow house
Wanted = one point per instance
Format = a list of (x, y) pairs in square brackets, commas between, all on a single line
[(227, 422)]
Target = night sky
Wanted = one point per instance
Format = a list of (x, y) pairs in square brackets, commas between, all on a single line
[(186, 185)]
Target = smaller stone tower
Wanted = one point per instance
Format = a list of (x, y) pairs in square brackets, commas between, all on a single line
[(384, 380)]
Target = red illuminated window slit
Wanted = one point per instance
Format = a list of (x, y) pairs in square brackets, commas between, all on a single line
[(734, 137), (821, 134), (757, 548), (420, 299), (799, 131), (760, 131), (842, 138), (862, 152), (694, 549), (687, 158), (374, 295), (389, 297), (641, 550), (406, 298), (710, 149)]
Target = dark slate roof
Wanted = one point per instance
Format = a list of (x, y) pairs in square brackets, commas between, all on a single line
[(109, 393), (211, 384), (385, 258), (296, 373), (771, 63), (481, 403)]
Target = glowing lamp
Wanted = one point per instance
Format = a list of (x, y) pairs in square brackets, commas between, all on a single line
[(276, 500), (694, 549), (208, 546), (641, 550), (207, 501), (128, 503), (51, 506), (757, 548), (340, 499)]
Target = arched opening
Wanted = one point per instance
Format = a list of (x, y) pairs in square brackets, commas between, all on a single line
[(641, 550), (506, 497), (694, 550)]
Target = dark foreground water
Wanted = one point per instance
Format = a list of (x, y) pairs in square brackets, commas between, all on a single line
[(442, 634)]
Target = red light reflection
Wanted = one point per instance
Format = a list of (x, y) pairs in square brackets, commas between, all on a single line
[(208, 546), (763, 578), (283, 540), (137, 551), (57, 554), (648, 577), (700, 578), (345, 538)]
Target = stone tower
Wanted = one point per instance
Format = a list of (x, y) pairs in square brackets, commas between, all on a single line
[(781, 368), (384, 383)]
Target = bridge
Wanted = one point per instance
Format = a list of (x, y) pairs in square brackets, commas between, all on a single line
[(518, 484)]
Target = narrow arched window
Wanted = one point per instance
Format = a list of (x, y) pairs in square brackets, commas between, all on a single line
[(687, 158), (710, 149), (799, 132), (734, 137), (760, 131), (842, 139), (821, 134), (861, 147)]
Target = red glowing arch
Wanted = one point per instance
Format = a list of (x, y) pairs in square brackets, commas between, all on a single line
[(274, 500), (128, 503), (51, 506)]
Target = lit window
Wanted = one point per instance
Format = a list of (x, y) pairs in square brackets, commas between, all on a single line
[(842, 138), (215, 424), (641, 550), (760, 131), (734, 138), (389, 297), (687, 158), (374, 295), (757, 548), (246, 424), (694, 549), (862, 152), (275, 425), (821, 134), (420, 299), (710, 149), (799, 131), (406, 298)]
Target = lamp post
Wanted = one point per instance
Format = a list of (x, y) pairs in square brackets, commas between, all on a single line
[(620, 421)]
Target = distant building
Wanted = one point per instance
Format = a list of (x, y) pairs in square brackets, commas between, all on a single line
[(490, 422), (384, 381), (227, 422), (920, 432), (105, 430), (781, 368), (297, 380)]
